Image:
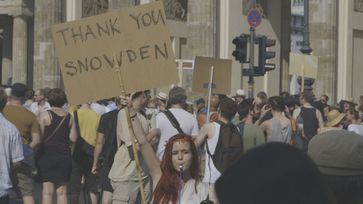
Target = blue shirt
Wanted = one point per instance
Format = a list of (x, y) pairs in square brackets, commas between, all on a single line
[(11, 150)]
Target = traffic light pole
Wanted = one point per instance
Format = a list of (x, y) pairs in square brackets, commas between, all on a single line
[(252, 53)]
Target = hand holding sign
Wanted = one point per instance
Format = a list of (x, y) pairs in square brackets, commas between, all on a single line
[(136, 40)]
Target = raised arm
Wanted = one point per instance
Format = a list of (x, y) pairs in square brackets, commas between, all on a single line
[(100, 141), (73, 133), (203, 135), (147, 151)]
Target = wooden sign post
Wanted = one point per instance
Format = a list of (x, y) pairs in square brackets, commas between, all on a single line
[(212, 75), (210, 88), (304, 66), (302, 77)]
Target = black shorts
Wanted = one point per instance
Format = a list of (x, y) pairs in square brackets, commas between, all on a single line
[(4, 199), (104, 181), (90, 180)]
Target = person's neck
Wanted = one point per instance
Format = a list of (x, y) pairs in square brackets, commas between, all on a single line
[(85, 106), (176, 106), (248, 120), (306, 104), (213, 109), (57, 110), (277, 114)]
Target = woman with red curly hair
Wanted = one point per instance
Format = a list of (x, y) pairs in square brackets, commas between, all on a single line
[(175, 179)]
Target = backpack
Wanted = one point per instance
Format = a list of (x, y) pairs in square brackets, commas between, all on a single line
[(229, 147), (82, 152)]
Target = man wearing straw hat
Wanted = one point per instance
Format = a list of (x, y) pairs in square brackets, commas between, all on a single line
[(124, 172), (162, 100), (335, 121)]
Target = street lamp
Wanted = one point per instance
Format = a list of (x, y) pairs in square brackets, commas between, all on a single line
[(306, 49)]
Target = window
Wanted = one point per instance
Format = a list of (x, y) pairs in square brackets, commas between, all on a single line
[(358, 5)]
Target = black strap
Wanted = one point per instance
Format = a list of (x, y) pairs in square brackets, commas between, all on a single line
[(206, 143), (173, 120), (76, 123), (45, 140), (220, 129)]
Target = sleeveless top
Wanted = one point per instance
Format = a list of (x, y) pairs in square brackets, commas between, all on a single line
[(59, 142), (211, 174), (188, 195), (310, 121), (280, 133)]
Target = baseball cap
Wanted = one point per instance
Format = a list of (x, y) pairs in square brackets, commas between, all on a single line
[(240, 92), (337, 152)]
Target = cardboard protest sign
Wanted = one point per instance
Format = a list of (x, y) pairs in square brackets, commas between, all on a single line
[(136, 40), (221, 79), (301, 64)]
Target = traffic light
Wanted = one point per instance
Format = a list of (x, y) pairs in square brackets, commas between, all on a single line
[(240, 53), (263, 55)]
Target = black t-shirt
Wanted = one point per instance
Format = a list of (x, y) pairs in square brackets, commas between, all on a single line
[(310, 122), (107, 126)]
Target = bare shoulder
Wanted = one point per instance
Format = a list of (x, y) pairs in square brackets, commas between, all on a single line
[(266, 124), (286, 121), (207, 127), (44, 115), (44, 118)]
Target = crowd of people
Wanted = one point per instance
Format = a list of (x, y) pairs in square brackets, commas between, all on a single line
[(279, 149)]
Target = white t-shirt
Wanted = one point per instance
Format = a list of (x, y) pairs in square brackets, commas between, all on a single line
[(188, 123), (99, 109), (37, 109), (357, 128), (211, 174)]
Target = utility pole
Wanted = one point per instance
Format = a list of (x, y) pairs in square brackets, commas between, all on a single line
[(252, 53), (254, 20), (306, 49)]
